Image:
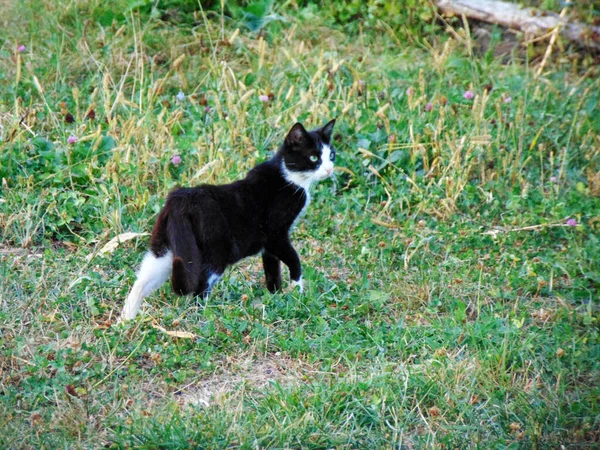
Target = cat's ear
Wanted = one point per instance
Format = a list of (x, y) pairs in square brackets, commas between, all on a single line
[(326, 131), (296, 136)]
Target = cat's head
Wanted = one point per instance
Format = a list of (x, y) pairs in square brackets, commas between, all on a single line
[(308, 155)]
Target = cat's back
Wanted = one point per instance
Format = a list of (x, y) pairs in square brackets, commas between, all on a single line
[(188, 195), (230, 198), (196, 200), (261, 193)]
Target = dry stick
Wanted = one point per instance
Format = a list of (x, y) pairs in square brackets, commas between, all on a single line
[(528, 228), (23, 360), (552, 40), (384, 224)]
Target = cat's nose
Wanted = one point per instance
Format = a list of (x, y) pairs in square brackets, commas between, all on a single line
[(329, 171)]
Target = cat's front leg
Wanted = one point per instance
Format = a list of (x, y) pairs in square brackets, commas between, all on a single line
[(299, 284), (282, 248), (272, 265)]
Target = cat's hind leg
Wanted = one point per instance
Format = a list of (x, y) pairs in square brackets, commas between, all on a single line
[(272, 265), (154, 271)]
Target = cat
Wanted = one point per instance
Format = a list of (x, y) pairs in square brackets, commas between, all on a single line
[(203, 230)]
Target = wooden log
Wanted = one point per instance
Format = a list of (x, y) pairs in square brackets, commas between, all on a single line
[(529, 20)]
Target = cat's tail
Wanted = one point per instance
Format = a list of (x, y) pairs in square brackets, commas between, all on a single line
[(186, 256)]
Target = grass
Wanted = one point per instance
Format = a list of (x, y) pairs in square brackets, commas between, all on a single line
[(448, 301)]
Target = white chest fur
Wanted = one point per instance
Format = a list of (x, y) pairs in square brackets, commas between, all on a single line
[(302, 181)]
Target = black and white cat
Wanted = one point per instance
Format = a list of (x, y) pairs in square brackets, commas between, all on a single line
[(202, 230)]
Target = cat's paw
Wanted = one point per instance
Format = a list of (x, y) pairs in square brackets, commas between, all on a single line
[(299, 284)]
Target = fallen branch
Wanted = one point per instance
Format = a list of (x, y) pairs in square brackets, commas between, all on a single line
[(177, 334), (496, 231), (531, 21)]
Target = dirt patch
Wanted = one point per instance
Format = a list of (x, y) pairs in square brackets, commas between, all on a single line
[(249, 374)]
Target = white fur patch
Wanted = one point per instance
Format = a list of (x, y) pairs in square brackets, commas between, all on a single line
[(305, 179), (152, 275), (212, 280), (326, 167), (299, 284), (300, 179)]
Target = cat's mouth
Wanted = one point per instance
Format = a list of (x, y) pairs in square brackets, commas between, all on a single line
[(323, 173)]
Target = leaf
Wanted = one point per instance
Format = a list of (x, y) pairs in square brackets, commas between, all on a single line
[(111, 245), (592, 276), (249, 79), (258, 14), (177, 334), (41, 144), (378, 296), (363, 143), (259, 9), (136, 4), (398, 155), (379, 135), (377, 299), (460, 313), (107, 143)]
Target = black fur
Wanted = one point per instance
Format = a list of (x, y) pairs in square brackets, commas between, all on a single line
[(208, 228)]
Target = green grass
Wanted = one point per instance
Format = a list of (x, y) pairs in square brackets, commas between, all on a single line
[(448, 302)]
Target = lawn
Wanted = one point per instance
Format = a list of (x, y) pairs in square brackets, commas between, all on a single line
[(452, 264)]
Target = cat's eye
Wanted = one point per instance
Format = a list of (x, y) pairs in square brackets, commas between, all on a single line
[(332, 156), (314, 158)]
